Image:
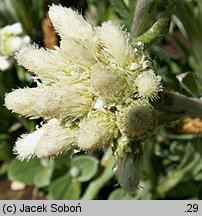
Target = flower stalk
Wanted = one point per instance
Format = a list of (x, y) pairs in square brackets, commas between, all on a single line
[(95, 186), (144, 29), (179, 104)]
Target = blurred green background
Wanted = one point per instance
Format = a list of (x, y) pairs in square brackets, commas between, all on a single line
[(172, 160)]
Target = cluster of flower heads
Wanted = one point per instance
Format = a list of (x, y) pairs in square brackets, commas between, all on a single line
[(11, 40), (93, 92)]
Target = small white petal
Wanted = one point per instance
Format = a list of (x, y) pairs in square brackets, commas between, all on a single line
[(134, 66), (13, 29), (5, 63), (99, 105), (14, 43), (69, 23)]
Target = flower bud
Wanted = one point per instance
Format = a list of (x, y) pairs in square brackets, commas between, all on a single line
[(137, 121), (148, 85), (128, 161), (140, 121)]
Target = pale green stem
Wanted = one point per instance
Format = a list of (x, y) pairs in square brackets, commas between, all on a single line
[(143, 16), (156, 32), (143, 29), (96, 185)]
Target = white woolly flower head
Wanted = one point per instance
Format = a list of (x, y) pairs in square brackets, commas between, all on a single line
[(96, 131), (46, 142), (56, 139), (21, 101), (50, 101), (82, 52), (69, 23), (63, 101), (148, 84), (115, 41), (39, 61), (87, 75)]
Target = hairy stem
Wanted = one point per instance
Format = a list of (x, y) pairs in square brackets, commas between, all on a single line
[(142, 17), (143, 28), (156, 32), (179, 104)]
